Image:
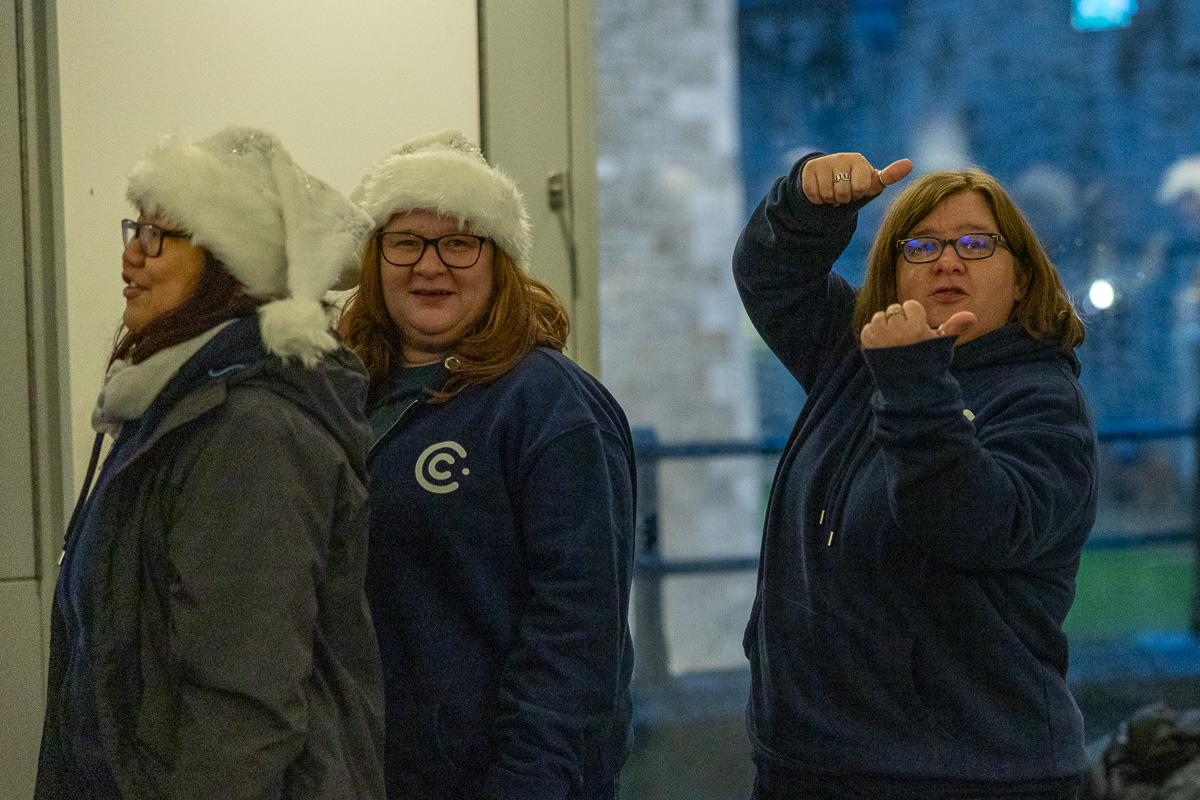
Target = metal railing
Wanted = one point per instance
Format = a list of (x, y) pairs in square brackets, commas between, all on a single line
[(652, 567)]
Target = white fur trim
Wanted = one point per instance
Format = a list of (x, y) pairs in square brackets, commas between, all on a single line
[(296, 329), (227, 201), (279, 230), (446, 173)]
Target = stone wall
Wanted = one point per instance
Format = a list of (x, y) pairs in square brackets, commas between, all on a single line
[(672, 347)]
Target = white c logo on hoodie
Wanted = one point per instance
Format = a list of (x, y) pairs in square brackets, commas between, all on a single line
[(429, 472)]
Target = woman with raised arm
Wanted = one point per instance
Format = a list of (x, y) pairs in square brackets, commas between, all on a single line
[(926, 519), (502, 493), (210, 632)]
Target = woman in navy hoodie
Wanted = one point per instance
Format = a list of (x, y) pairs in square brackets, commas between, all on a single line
[(502, 497), (926, 519)]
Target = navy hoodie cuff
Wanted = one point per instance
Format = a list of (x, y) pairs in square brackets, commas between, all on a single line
[(813, 218), (912, 375)]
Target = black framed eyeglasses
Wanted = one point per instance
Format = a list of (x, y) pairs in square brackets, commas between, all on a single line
[(969, 246), (149, 235), (458, 250)]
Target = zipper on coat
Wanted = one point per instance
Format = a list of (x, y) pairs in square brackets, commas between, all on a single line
[(88, 479), (387, 434), (449, 363), (820, 522)]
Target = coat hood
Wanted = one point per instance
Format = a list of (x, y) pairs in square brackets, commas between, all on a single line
[(1011, 344), (333, 390)]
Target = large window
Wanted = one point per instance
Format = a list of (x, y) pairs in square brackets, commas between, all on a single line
[(1086, 111), (1092, 129)]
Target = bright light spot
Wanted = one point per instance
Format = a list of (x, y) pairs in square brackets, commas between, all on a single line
[(1097, 15), (1101, 294)]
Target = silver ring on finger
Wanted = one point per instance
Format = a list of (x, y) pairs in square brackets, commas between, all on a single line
[(841, 176), (893, 313)]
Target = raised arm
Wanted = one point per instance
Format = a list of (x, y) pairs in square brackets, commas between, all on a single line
[(783, 260), (997, 488)]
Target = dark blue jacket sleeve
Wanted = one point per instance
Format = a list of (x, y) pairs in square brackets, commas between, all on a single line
[(991, 493), (563, 681), (782, 266)]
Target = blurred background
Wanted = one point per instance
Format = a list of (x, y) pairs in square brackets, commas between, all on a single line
[(1085, 110)]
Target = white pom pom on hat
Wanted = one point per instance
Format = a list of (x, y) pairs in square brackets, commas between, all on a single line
[(446, 173), (284, 234)]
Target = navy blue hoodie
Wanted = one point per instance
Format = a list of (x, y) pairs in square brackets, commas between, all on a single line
[(921, 541), (501, 558)]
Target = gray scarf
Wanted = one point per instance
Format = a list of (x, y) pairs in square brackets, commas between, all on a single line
[(129, 389)]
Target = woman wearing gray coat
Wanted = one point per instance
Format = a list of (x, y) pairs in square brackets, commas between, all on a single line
[(210, 633)]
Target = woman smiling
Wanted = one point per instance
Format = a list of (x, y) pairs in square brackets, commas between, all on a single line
[(501, 497), (210, 634)]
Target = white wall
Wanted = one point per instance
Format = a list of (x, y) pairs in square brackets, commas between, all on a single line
[(340, 83), (21, 662), (539, 99)]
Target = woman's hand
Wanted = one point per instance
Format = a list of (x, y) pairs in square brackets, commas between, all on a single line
[(845, 177), (906, 324)]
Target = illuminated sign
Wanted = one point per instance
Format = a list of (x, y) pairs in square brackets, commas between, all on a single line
[(1098, 15)]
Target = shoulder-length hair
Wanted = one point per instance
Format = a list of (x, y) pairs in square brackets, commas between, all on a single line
[(1045, 310), (523, 314), (217, 296)]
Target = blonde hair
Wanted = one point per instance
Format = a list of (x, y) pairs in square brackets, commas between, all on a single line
[(1045, 310), (523, 313)]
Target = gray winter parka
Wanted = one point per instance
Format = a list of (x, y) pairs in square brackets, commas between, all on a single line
[(230, 648)]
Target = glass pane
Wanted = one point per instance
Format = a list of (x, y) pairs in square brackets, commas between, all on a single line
[(1087, 115)]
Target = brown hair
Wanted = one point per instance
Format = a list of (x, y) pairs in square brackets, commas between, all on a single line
[(523, 314), (216, 297), (1045, 311)]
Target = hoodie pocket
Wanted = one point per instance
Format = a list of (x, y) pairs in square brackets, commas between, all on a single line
[(826, 685)]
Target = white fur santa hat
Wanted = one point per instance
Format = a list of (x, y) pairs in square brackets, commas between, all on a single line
[(284, 234), (446, 173)]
